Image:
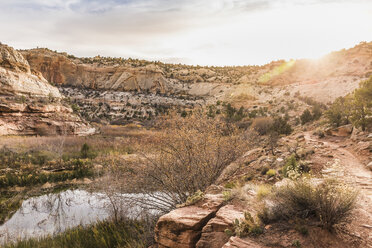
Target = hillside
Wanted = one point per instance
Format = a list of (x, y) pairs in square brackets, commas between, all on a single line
[(120, 86)]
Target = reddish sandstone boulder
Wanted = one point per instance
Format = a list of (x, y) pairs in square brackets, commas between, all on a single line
[(213, 234), (182, 227)]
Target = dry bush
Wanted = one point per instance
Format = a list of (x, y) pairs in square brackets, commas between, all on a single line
[(192, 153), (262, 125), (330, 202)]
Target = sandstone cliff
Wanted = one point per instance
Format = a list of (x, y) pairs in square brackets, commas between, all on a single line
[(29, 104), (327, 78), (62, 70)]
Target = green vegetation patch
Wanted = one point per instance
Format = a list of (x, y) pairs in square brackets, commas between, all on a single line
[(108, 234), (355, 108)]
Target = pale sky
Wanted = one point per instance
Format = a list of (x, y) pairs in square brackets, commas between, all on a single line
[(204, 32)]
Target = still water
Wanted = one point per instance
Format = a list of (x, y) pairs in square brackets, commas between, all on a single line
[(54, 213)]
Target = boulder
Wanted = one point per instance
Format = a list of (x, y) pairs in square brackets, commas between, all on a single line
[(343, 131), (182, 227), (236, 242), (213, 234)]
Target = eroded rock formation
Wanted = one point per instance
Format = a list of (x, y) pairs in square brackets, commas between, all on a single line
[(29, 105)]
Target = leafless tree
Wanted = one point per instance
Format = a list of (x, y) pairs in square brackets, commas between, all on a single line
[(190, 156)]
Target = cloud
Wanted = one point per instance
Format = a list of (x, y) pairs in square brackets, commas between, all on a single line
[(193, 31)]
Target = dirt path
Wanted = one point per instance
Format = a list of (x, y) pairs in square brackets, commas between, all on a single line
[(348, 168)]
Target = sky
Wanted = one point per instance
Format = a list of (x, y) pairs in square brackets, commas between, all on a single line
[(198, 32)]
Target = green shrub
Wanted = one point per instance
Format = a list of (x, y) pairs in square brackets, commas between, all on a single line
[(75, 108), (268, 125), (355, 107), (290, 169), (232, 114), (281, 126), (86, 152), (271, 173), (339, 112), (306, 117), (77, 169), (10, 202), (316, 112)]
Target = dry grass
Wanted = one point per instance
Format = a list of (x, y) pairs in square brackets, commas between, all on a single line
[(112, 138), (263, 190)]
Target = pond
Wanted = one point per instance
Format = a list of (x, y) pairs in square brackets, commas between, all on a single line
[(54, 213)]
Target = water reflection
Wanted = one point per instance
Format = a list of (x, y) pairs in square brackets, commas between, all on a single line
[(54, 213)]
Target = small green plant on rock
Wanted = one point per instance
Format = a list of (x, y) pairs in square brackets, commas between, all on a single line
[(245, 227), (296, 243), (227, 195), (230, 185), (291, 169), (192, 199)]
